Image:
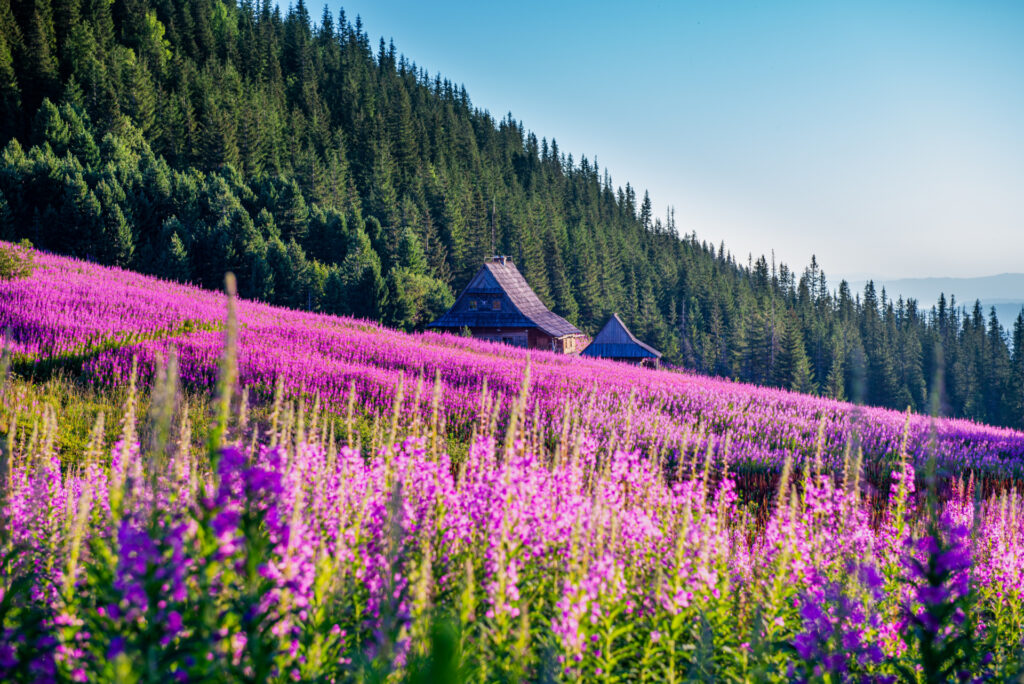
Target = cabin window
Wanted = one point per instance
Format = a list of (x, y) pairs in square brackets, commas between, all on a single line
[(472, 305), (515, 339), (496, 305)]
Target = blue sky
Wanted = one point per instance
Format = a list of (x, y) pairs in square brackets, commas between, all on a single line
[(885, 137)]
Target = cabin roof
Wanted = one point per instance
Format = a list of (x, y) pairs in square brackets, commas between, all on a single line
[(615, 341), (500, 276)]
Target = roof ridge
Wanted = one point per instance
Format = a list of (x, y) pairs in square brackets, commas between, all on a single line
[(521, 298), (598, 340)]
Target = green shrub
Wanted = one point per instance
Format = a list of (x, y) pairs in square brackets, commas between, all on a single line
[(16, 260)]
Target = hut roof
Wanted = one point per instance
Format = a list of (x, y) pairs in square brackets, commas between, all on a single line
[(500, 276), (615, 341)]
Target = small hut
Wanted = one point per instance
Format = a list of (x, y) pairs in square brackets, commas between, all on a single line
[(616, 342), (498, 305)]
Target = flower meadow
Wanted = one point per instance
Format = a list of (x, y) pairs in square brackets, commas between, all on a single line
[(372, 506)]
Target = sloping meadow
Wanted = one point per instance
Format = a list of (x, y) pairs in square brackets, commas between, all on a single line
[(95, 322), (374, 506)]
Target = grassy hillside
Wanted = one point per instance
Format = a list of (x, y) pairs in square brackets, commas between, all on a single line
[(274, 495), (96, 324)]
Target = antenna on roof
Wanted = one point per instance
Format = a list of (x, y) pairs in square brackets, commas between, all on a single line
[(493, 246)]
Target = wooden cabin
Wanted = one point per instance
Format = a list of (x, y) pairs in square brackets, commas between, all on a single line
[(498, 305), (616, 342)]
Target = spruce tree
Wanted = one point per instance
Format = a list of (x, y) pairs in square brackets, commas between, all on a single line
[(996, 372), (176, 265), (835, 383), (1015, 383), (291, 213), (793, 370), (42, 79)]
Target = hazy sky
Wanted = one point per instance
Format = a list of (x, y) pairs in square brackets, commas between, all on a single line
[(885, 137)]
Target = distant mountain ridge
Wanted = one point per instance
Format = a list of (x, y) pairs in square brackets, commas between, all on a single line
[(1004, 291)]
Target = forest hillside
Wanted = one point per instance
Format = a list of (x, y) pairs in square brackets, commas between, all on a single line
[(187, 138)]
